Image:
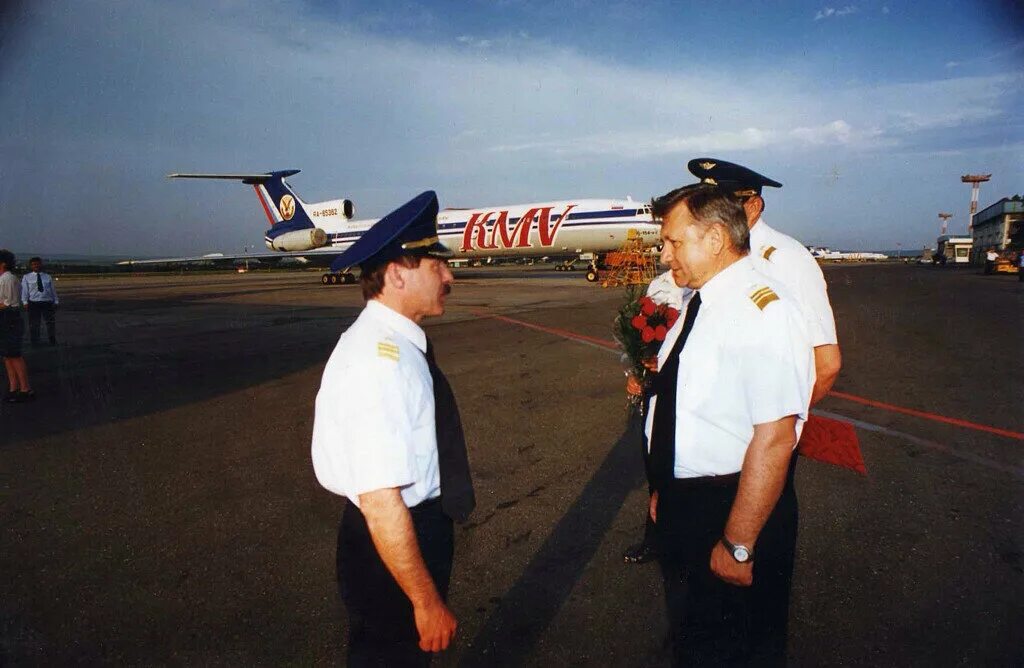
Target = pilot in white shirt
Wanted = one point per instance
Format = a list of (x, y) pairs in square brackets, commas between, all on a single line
[(784, 259), (773, 377), (375, 411), (732, 391), (387, 436)]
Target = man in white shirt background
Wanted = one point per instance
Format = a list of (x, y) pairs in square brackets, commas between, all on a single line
[(39, 296), (784, 259)]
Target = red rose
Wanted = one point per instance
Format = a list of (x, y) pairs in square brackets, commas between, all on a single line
[(659, 332), (647, 334), (647, 306), (671, 313), (638, 322)]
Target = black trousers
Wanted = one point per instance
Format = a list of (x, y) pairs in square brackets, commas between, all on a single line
[(37, 311), (714, 623), (382, 629)]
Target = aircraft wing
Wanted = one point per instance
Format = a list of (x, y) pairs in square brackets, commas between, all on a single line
[(317, 256)]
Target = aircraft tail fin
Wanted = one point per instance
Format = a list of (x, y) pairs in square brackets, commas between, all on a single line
[(284, 208)]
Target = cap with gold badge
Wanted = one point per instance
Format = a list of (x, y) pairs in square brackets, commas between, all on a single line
[(411, 229), (743, 182)]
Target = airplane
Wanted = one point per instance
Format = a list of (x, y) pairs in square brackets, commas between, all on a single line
[(828, 255), (316, 233)]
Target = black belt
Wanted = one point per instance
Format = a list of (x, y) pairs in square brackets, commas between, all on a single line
[(424, 506), (706, 481)]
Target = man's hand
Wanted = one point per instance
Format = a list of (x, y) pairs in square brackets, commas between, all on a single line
[(394, 537), (633, 387), (653, 509), (436, 625), (728, 569)]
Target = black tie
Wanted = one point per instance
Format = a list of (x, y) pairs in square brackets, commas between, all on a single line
[(457, 499), (662, 458), (39, 281)]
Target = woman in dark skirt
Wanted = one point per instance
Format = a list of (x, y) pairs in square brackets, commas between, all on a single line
[(12, 330)]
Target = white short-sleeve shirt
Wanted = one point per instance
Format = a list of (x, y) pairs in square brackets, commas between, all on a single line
[(10, 290), (747, 361), (788, 262), (374, 422), (663, 290)]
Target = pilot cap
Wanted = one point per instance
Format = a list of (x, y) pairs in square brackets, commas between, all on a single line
[(741, 181), (411, 229)]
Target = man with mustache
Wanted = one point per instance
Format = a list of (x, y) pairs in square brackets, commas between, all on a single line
[(388, 437)]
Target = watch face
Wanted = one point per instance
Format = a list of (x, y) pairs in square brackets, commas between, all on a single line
[(741, 553)]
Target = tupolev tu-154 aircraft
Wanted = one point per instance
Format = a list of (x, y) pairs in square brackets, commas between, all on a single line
[(319, 232)]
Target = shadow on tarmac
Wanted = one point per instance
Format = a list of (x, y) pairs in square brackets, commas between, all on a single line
[(514, 628), (147, 356)]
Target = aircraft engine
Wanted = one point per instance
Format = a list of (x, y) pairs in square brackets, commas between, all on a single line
[(348, 208), (299, 240)]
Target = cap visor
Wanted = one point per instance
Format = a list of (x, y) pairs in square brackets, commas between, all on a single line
[(437, 250)]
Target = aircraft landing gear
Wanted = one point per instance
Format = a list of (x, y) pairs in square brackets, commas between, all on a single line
[(338, 279), (592, 274), (568, 265)]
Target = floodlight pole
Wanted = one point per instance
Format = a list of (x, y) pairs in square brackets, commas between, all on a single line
[(975, 180), (945, 222)]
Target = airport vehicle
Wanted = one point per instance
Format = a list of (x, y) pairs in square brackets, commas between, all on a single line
[(318, 232)]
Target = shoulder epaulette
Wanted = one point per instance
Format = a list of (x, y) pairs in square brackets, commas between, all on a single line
[(762, 297), (388, 350), (767, 252)]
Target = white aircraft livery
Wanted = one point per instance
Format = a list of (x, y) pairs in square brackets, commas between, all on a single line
[(573, 229)]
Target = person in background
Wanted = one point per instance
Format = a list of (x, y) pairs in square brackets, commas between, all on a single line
[(783, 259), (663, 290), (990, 260), (12, 330), (39, 296)]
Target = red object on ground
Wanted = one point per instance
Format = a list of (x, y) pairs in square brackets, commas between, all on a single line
[(832, 442)]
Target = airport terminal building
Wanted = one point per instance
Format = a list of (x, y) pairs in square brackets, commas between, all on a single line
[(995, 225)]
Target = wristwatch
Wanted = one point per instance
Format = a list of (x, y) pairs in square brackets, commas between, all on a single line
[(740, 553)]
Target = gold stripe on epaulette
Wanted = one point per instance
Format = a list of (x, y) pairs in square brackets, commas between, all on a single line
[(762, 297), (767, 254), (388, 350)]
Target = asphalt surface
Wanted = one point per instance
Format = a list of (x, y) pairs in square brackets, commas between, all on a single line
[(160, 506)]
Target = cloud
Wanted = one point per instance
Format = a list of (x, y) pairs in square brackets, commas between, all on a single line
[(830, 12), (473, 42), (108, 99)]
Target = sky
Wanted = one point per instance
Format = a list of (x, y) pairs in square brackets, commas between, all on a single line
[(867, 112)]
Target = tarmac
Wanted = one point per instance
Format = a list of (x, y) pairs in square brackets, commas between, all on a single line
[(160, 506)]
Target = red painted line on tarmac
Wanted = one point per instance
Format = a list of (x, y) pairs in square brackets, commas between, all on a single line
[(611, 345), (928, 416), (564, 333)]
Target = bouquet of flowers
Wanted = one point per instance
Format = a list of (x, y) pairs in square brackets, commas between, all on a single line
[(640, 328)]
